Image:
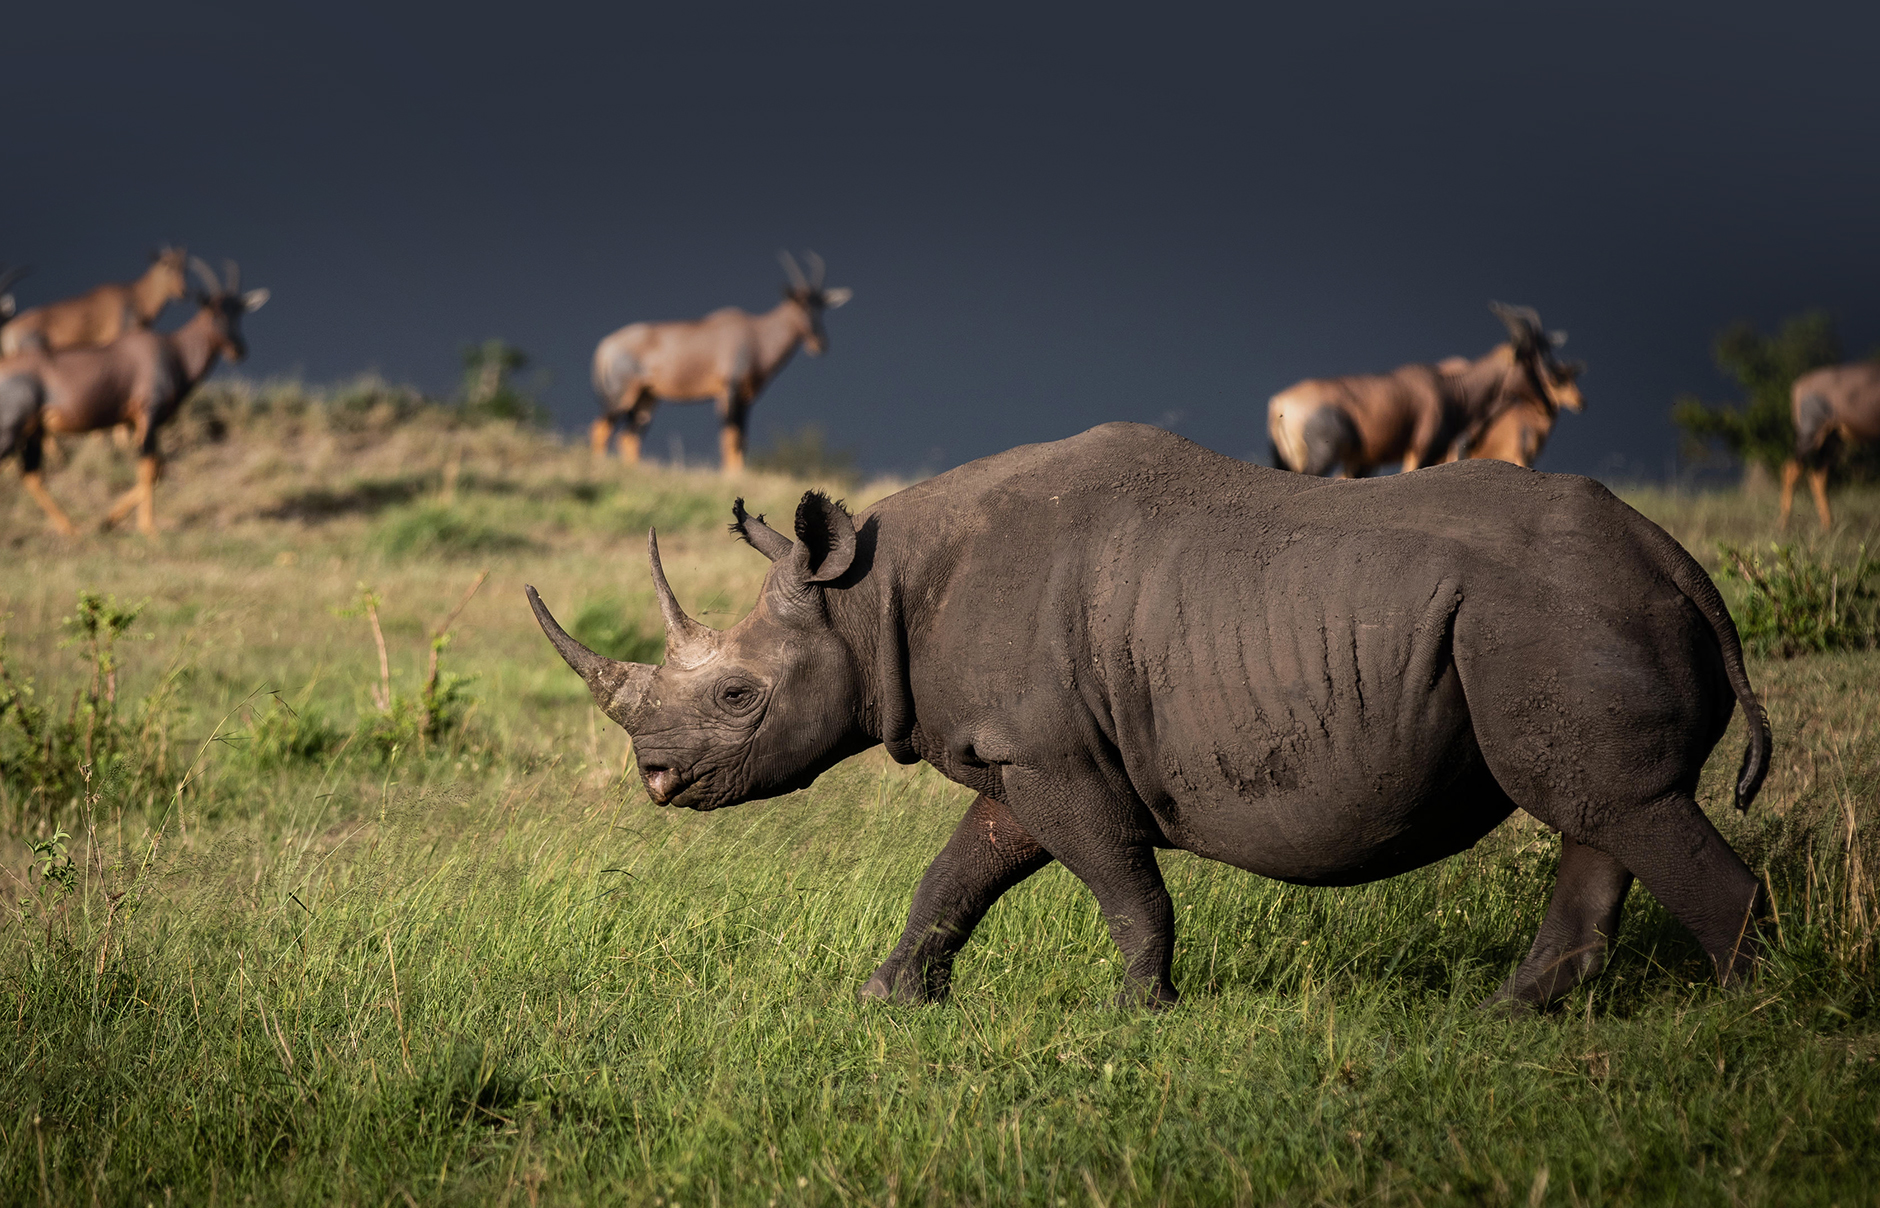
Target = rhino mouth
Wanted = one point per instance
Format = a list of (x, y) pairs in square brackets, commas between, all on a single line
[(668, 786)]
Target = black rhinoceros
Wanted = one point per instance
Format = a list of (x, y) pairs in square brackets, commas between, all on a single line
[(1124, 642)]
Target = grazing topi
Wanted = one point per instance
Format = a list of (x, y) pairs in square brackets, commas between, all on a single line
[(1832, 405), (139, 379), (100, 315), (1415, 414), (728, 356)]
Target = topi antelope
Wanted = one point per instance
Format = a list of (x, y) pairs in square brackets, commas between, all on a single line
[(1839, 403), (1416, 413), (728, 356), (1516, 433), (1514, 429), (7, 277), (100, 315), (140, 379)]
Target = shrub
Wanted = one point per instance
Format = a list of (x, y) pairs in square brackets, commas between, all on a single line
[(409, 723), (1797, 604), (280, 736), (1760, 430), (400, 722), (805, 453), (489, 388), (48, 755), (370, 404)]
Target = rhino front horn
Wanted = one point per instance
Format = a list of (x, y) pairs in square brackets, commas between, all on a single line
[(618, 688)]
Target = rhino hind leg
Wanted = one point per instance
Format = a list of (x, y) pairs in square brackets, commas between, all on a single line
[(987, 855), (1693, 872), (1582, 918)]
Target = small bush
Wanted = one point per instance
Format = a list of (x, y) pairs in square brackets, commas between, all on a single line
[(1797, 604), (604, 626), (1760, 430), (400, 722), (49, 755), (490, 391), (437, 530), (411, 722), (806, 453), (370, 404), (281, 737)]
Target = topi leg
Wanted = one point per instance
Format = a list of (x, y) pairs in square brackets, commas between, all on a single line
[(639, 417), (600, 435), (731, 448), (31, 446), (37, 489), (149, 467), (734, 413), (140, 498), (1818, 485), (1791, 474)]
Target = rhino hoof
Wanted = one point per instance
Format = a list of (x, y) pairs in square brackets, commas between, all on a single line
[(1505, 1004), (1140, 996), (898, 986)]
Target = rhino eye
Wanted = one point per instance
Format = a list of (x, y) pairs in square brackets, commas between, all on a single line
[(737, 696)]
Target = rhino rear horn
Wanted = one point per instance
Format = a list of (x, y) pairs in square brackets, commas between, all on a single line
[(684, 636), (618, 688)]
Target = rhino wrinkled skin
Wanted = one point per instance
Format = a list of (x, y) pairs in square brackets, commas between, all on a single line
[(1124, 642)]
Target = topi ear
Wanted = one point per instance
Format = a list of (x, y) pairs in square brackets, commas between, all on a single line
[(755, 533), (834, 298), (1557, 338), (825, 539), (255, 299)]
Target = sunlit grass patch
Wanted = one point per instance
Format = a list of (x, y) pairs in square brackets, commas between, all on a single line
[(441, 531), (301, 967)]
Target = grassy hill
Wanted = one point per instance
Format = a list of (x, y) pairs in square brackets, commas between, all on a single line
[(301, 948)]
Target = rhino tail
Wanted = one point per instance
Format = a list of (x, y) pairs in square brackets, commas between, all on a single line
[(1703, 594)]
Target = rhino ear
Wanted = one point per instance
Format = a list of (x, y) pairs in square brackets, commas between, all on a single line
[(758, 535), (825, 539)]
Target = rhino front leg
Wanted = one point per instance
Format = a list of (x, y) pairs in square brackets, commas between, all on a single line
[(987, 855)]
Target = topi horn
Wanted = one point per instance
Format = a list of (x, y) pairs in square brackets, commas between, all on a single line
[(202, 270), (796, 274), (618, 688), (1523, 322), (687, 641)]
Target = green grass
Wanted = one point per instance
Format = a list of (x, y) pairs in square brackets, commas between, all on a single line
[(487, 969)]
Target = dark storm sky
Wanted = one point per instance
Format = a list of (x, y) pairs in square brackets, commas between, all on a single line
[(1050, 219)]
